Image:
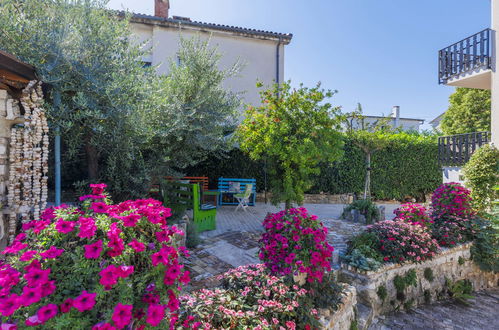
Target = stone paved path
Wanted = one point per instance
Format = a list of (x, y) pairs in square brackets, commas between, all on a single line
[(481, 314)]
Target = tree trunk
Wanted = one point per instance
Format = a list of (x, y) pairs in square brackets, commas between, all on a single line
[(367, 187), (92, 160), (288, 204)]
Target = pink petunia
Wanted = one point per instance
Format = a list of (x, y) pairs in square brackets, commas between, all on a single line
[(28, 255), (155, 314), (99, 207), (93, 251), (85, 301), (47, 312), (9, 304), (87, 227), (122, 315), (66, 305), (30, 296), (98, 188), (36, 277), (51, 253), (64, 227), (137, 246)]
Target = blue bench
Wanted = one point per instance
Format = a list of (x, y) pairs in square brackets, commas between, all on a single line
[(231, 186)]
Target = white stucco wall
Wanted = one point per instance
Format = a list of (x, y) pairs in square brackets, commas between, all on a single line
[(257, 55), (405, 124)]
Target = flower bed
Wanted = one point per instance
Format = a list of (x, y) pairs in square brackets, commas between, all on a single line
[(99, 266), (251, 298), (395, 286)]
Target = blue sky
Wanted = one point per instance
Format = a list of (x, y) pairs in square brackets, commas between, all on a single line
[(377, 52)]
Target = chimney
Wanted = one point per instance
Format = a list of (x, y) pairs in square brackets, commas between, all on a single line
[(161, 8), (396, 115)]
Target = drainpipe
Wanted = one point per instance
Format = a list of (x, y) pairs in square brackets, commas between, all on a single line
[(57, 153), (277, 60)]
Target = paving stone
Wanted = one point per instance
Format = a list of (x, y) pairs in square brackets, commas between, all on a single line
[(447, 315)]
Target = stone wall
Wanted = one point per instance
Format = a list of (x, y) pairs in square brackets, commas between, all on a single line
[(432, 278), (316, 198), (9, 115), (345, 315)]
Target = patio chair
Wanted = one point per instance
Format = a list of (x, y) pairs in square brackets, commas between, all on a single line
[(243, 198)]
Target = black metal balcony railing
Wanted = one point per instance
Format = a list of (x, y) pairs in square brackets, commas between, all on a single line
[(456, 150), (466, 55)]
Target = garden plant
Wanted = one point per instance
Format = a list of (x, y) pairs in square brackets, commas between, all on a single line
[(96, 266)]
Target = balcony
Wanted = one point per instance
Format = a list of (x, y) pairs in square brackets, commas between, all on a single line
[(456, 150), (467, 63)]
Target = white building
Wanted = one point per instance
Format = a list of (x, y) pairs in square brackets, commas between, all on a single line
[(394, 120), (472, 63), (261, 52)]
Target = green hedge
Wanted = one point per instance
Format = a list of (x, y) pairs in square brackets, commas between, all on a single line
[(407, 167)]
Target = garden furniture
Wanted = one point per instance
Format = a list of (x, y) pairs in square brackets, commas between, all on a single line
[(183, 196), (243, 198), (229, 187)]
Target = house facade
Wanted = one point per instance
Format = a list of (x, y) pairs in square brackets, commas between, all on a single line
[(394, 120), (261, 52), (471, 63)]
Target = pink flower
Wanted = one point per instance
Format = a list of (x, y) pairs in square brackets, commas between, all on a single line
[(9, 305), (66, 305), (30, 296), (87, 227), (47, 312), (137, 246), (125, 271), (130, 220), (99, 207), (85, 301), (33, 321), (162, 236), (103, 326), (109, 276), (92, 251), (47, 288), (155, 314), (64, 227), (36, 277), (122, 315), (51, 253), (98, 188), (28, 255)]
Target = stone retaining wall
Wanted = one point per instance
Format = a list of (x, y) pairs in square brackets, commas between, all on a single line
[(345, 315), (316, 198), (432, 278)]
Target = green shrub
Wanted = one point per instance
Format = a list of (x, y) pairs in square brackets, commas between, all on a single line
[(485, 248), (428, 274), (407, 167), (481, 174), (363, 252), (460, 290), (366, 207), (382, 292)]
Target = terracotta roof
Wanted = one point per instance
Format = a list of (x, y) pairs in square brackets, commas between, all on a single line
[(179, 21)]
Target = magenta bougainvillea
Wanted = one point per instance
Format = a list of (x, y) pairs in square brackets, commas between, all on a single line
[(295, 242), (451, 199), (415, 214), (97, 266)]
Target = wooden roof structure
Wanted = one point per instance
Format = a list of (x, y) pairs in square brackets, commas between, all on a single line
[(14, 74)]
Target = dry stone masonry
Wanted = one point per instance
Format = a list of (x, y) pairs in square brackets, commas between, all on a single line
[(398, 287), (24, 147)]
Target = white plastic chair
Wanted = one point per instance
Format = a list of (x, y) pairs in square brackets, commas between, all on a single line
[(243, 198)]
